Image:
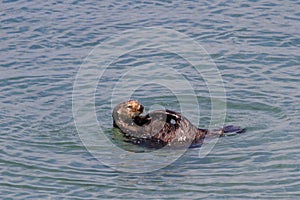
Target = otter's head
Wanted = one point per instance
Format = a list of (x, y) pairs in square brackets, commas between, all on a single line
[(128, 110)]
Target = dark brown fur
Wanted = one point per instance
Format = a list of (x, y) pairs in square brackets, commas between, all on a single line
[(161, 127)]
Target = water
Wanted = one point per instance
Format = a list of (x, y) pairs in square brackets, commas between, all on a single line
[(254, 44)]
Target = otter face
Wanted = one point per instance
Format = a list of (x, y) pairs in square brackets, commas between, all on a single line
[(134, 108), (131, 108)]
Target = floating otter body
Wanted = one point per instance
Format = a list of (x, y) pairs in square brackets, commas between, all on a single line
[(161, 127)]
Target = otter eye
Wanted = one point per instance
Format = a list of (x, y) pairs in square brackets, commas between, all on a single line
[(129, 106)]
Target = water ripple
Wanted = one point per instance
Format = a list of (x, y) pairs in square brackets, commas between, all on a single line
[(254, 44)]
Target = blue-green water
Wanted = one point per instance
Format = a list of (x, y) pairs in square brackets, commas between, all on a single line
[(255, 46)]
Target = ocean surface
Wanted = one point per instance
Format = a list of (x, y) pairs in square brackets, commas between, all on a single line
[(250, 55)]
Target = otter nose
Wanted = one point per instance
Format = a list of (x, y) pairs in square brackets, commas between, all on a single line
[(141, 108)]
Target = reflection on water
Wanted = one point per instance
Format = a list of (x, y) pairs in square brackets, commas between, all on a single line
[(255, 45)]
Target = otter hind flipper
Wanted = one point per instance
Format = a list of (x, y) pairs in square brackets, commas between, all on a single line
[(231, 130)]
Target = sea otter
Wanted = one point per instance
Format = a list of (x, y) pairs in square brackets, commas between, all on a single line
[(161, 127)]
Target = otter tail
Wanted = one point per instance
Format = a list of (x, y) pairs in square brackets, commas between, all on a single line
[(225, 131)]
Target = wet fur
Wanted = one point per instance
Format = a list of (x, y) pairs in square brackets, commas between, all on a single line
[(161, 127)]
